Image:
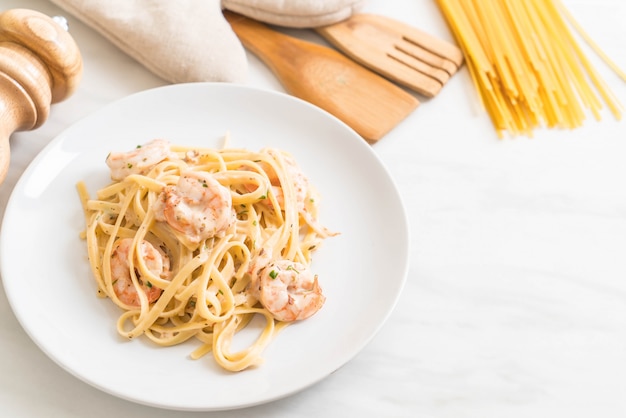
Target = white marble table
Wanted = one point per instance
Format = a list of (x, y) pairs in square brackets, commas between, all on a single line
[(515, 303)]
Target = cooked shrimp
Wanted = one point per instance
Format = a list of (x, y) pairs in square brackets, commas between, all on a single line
[(289, 290), (198, 206), (302, 190), (299, 181), (156, 261), (139, 160)]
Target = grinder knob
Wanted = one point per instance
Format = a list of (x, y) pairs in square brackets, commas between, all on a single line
[(40, 64)]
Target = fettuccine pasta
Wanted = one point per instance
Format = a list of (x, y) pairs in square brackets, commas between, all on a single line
[(194, 242)]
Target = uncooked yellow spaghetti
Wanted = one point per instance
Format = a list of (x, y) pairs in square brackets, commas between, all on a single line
[(527, 65), (193, 242)]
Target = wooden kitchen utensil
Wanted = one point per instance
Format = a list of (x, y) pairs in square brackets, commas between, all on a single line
[(400, 52), (39, 65), (368, 103)]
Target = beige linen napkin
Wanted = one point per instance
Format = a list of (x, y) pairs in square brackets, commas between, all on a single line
[(296, 13), (189, 40), (180, 41)]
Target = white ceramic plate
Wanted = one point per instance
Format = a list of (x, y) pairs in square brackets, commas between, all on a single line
[(51, 290)]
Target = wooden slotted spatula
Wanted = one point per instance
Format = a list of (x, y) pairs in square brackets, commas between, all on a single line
[(365, 101), (400, 52)]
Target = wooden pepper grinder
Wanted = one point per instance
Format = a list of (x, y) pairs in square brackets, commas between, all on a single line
[(40, 64)]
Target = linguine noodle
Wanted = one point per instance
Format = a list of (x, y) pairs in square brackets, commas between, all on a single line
[(153, 253)]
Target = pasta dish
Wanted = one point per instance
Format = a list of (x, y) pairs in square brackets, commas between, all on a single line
[(195, 242)]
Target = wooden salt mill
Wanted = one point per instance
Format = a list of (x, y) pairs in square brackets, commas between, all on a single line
[(40, 64)]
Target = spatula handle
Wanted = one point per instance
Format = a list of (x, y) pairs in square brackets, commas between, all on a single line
[(40, 64), (283, 54)]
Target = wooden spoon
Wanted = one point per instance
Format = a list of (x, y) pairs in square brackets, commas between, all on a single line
[(368, 103), (39, 64)]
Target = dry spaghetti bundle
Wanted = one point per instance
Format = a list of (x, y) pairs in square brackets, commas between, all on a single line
[(527, 65)]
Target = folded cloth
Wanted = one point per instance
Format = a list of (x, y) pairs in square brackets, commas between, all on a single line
[(190, 40), (295, 13), (180, 41)]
